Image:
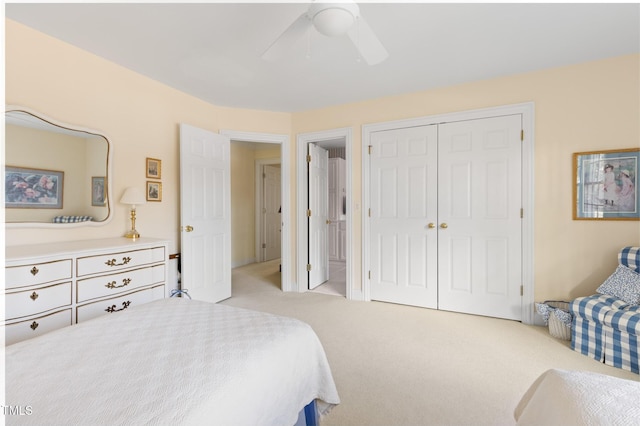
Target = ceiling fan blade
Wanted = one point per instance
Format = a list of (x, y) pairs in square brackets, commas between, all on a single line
[(283, 44), (367, 43)]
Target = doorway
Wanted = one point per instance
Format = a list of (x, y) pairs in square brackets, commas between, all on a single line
[(250, 252), (337, 143)]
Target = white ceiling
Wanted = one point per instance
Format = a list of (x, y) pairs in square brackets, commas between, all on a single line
[(212, 50)]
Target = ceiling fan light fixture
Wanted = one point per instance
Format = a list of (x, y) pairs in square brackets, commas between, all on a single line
[(333, 21)]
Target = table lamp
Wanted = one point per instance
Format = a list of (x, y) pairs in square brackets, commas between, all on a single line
[(133, 196)]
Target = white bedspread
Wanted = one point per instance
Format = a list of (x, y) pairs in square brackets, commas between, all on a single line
[(560, 397), (173, 361)]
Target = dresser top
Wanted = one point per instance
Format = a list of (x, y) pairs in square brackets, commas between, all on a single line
[(32, 251)]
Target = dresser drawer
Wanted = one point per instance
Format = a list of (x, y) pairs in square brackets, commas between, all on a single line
[(119, 260), (118, 304), (42, 299), (18, 331), (37, 273), (113, 284)]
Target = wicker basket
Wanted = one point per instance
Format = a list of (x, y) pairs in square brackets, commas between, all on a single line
[(556, 327)]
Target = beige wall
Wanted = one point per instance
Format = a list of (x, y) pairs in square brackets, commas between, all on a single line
[(585, 107), (139, 115), (592, 106)]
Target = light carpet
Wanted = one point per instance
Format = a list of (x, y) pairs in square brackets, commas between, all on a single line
[(401, 365)]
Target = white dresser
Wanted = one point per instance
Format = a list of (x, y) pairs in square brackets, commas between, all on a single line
[(49, 286)]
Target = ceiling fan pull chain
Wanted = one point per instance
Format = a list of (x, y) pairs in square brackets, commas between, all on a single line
[(359, 58), (308, 55)]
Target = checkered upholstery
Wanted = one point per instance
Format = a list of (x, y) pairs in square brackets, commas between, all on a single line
[(588, 316), (630, 257), (606, 328), (621, 336)]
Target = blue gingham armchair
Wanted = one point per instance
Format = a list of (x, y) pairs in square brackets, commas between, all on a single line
[(606, 325)]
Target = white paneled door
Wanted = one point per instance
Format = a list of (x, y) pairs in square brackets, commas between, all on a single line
[(404, 194), (205, 214), (318, 214), (479, 202), (272, 222), (445, 220)]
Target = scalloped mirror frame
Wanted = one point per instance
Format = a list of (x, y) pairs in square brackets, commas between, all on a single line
[(109, 172)]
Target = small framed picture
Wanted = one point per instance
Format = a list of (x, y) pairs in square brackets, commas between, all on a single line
[(154, 191), (154, 168), (98, 191), (605, 185), (32, 188)]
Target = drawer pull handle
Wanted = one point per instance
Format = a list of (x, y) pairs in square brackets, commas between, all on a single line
[(34, 271), (112, 284), (34, 296), (112, 308), (114, 262), (34, 325)]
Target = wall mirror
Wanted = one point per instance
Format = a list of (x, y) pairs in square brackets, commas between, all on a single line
[(56, 174)]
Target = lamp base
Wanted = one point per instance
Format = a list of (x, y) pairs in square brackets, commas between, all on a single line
[(133, 234)]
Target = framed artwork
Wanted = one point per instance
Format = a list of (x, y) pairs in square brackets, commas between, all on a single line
[(606, 185), (154, 168), (154, 191), (33, 188), (98, 191)]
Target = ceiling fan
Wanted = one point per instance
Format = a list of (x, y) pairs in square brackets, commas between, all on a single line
[(332, 20)]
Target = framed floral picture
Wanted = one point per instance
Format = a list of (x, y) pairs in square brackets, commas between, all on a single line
[(606, 185), (154, 168), (33, 188), (154, 191)]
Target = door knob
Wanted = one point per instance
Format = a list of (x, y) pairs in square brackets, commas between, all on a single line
[(188, 228), (431, 225), (328, 222), (444, 226)]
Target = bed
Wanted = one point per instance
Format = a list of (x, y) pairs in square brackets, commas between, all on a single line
[(560, 397), (172, 361)]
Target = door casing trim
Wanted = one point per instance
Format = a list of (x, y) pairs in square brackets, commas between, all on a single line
[(302, 140), (285, 149)]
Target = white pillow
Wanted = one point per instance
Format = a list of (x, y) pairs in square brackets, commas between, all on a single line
[(624, 284)]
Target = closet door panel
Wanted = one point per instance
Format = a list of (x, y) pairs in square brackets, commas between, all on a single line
[(479, 202), (403, 202)]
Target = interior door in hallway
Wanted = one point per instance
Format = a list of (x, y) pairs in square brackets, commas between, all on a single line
[(318, 215), (272, 223), (479, 217), (403, 179), (205, 214)]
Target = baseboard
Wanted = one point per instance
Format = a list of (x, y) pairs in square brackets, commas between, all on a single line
[(243, 262)]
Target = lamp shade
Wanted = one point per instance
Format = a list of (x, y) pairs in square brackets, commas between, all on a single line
[(133, 196)]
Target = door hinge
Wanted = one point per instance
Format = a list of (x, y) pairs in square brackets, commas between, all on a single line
[(308, 158), (369, 274), (521, 213), (309, 213), (264, 245), (522, 135), (308, 267), (370, 149), (369, 211), (521, 290)]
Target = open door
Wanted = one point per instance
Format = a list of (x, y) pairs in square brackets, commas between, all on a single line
[(318, 214), (205, 214)]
